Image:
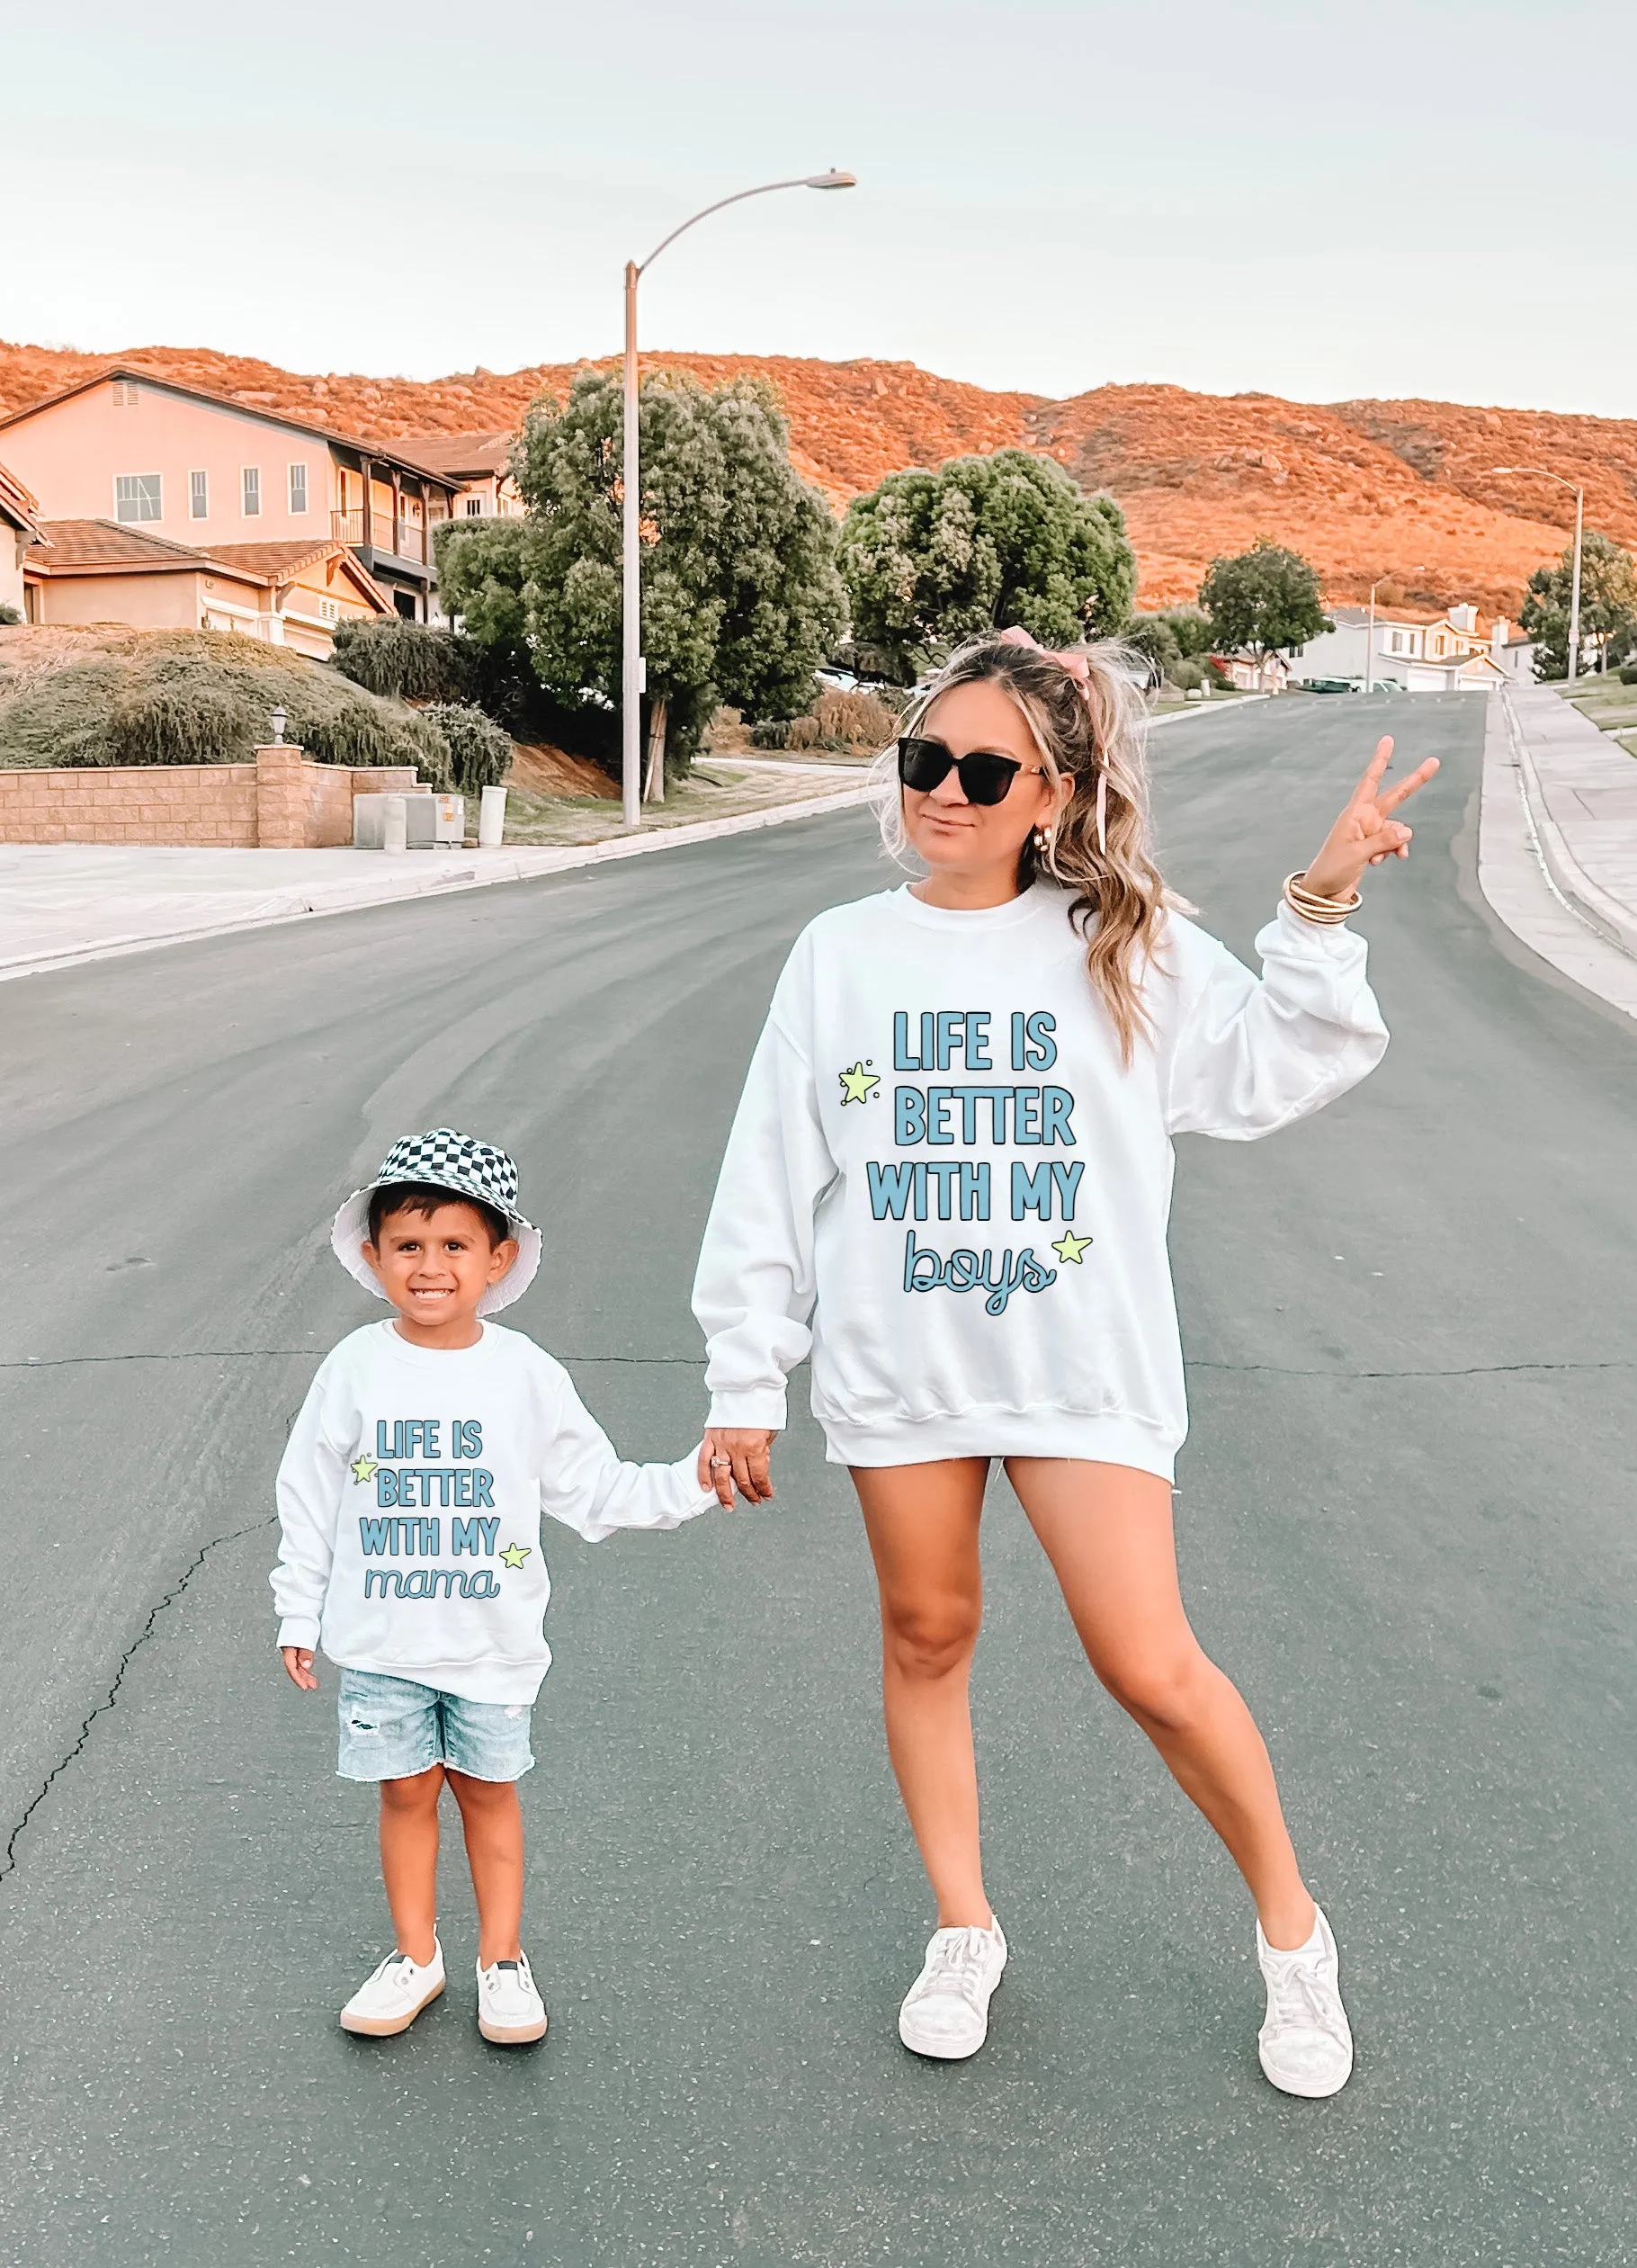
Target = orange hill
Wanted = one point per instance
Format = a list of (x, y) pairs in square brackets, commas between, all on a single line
[(1402, 492)]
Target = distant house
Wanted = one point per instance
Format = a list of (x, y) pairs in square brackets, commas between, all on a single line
[(285, 592), (1254, 673), (1415, 648), (480, 463), (201, 468), (19, 531)]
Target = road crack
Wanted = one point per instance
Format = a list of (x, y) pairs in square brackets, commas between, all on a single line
[(1463, 1370), (313, 1354), (108, 1700)]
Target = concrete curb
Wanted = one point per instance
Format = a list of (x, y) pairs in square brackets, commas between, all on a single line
[(1519, 886), (1206, 708), (486, 869), (1589, 899)]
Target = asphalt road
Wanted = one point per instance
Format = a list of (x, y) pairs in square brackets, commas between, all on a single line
[(1406, 1514)]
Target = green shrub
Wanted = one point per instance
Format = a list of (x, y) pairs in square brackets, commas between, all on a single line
[(1628, 673), (9, 615), (773, 734), (407, 660), (479, 752), (200, 697), (1185, 675)]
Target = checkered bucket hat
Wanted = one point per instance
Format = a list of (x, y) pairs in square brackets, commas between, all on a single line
[(443, 1159)]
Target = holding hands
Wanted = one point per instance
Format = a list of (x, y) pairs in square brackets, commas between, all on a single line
[(736, 1454), (1366, 832)]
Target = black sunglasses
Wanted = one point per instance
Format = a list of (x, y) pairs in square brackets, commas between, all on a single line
[(985, 778)]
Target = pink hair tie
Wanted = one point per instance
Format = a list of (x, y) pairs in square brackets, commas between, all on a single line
[(1079, 670)]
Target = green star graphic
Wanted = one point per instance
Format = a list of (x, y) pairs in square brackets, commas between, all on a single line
[(514, 1555), (364, 1468), (1070, 1247), (856, 1083)]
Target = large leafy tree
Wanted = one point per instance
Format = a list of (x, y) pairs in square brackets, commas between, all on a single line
[(931, 558), (1262, 600), (741, 594), (1608, 604)]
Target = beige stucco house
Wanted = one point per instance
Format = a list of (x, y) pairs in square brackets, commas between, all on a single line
[(19, 533), (286, 593), (204, 470)]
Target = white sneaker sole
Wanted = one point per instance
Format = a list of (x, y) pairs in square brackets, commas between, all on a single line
[(1310, 2089), (511, 2035), (389, 2027), (941, 2050)]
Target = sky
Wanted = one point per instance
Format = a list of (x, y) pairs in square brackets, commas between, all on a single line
[(1419, 197)]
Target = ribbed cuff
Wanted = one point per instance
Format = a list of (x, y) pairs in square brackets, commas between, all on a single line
[(1319, 937), (298, 1630), (753, 1408)]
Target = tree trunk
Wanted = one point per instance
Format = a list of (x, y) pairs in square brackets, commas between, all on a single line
[(654, 789)]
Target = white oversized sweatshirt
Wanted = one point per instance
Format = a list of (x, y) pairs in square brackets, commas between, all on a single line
[(944, 1182), (410, 1498)]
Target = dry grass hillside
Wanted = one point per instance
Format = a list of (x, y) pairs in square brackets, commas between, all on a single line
[(1400, 492)]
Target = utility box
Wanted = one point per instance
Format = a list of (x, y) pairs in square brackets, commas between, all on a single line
[(433, 823), (436, 821)]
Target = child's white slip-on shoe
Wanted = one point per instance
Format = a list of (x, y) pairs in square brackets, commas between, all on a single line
[(1305, 2043), (510, 2009), (393, 1995), (946, 2011)]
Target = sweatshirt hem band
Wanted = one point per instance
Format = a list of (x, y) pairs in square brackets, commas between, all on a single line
[(1102, 1440)]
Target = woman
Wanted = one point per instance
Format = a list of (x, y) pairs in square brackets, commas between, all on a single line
[(953, 1155)]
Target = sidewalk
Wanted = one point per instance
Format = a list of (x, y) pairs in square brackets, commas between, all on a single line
[(1558, 840), (66, 902)]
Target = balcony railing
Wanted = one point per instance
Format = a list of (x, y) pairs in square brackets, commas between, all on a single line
[(405, 539)]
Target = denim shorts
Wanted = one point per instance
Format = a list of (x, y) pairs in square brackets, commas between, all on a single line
[(391, 1729)]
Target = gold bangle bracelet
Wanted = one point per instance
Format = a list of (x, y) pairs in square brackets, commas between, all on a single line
[(1308, 906)]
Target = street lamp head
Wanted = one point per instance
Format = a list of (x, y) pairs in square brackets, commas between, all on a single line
[(832, 180)]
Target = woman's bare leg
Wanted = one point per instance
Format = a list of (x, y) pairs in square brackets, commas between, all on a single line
[(923, 1522), (1107, 1529)]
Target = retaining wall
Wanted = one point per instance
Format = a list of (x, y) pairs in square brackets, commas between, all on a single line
[(279, 803)]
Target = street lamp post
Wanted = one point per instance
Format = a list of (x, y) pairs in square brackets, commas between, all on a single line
[(633, 671), (1540, 472)]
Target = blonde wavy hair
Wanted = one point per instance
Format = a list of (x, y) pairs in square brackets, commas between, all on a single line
[(1088, 728)]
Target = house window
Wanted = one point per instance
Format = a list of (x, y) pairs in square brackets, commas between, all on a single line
[(1398, 641), (297, 488), (137, 496), (253, 491), (199, 496), (474, 508)]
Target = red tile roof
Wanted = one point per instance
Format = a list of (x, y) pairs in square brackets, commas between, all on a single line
[(77, 544), (104, 547), (463, 456)]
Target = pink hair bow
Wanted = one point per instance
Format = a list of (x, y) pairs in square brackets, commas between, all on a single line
[(1075, 664), (1078, 669)]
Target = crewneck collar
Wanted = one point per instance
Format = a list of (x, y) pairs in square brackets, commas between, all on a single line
[(969, 921), (406, 1350)]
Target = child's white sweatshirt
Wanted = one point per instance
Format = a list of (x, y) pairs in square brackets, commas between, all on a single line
[(410, 1498), (940, 1151)]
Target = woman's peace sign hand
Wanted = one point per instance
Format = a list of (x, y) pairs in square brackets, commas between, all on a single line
[(1366, 832)]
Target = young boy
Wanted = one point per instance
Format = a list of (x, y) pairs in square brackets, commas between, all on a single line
[(410, 1498)]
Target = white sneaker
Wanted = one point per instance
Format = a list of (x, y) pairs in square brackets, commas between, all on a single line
[(393, 1995), (510, 2009), (946, 2010), (1305, 2043)]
